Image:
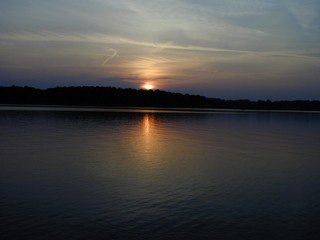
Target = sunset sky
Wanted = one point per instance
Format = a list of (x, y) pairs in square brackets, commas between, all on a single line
[(232, 49)]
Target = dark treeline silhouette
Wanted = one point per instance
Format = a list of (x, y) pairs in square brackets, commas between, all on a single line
[(119, 97)]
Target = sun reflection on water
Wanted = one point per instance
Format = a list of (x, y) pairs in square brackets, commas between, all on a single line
[(148, 146), (149, 138)]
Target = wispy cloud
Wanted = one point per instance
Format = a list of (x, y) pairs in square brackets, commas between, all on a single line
[(102, 38), (113, 52)]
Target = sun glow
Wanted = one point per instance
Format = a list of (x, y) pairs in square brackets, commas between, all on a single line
[(148, 86)]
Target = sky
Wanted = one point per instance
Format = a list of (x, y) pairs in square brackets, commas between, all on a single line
[(231, 49)]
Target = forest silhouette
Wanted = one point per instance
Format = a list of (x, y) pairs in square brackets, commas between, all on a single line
[(120, 97)]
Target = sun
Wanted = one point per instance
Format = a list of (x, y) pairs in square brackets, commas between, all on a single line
[(148, 86)]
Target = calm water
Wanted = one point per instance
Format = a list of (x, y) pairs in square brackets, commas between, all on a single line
[(159, 175)]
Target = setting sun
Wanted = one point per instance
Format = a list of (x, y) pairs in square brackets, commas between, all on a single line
[(148, 86)]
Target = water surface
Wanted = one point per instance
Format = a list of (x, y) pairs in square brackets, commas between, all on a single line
[(158, 174)]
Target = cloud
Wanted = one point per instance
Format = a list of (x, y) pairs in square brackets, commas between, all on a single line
[(114, 53), (102, 38), (233, 25)]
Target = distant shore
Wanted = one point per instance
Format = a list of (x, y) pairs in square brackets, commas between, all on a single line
[(110, 97), (66, 108)]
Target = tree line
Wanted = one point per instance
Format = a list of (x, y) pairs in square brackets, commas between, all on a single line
[(120, 97)]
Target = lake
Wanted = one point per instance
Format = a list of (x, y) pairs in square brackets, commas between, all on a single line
[(81, 173)]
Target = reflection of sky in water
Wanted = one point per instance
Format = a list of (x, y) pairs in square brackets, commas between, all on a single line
[(160, 173)]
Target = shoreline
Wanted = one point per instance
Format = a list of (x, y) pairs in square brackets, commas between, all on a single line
[(73, 108)]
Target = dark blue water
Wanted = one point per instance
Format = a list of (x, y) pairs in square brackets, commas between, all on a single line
[(85, 174)]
